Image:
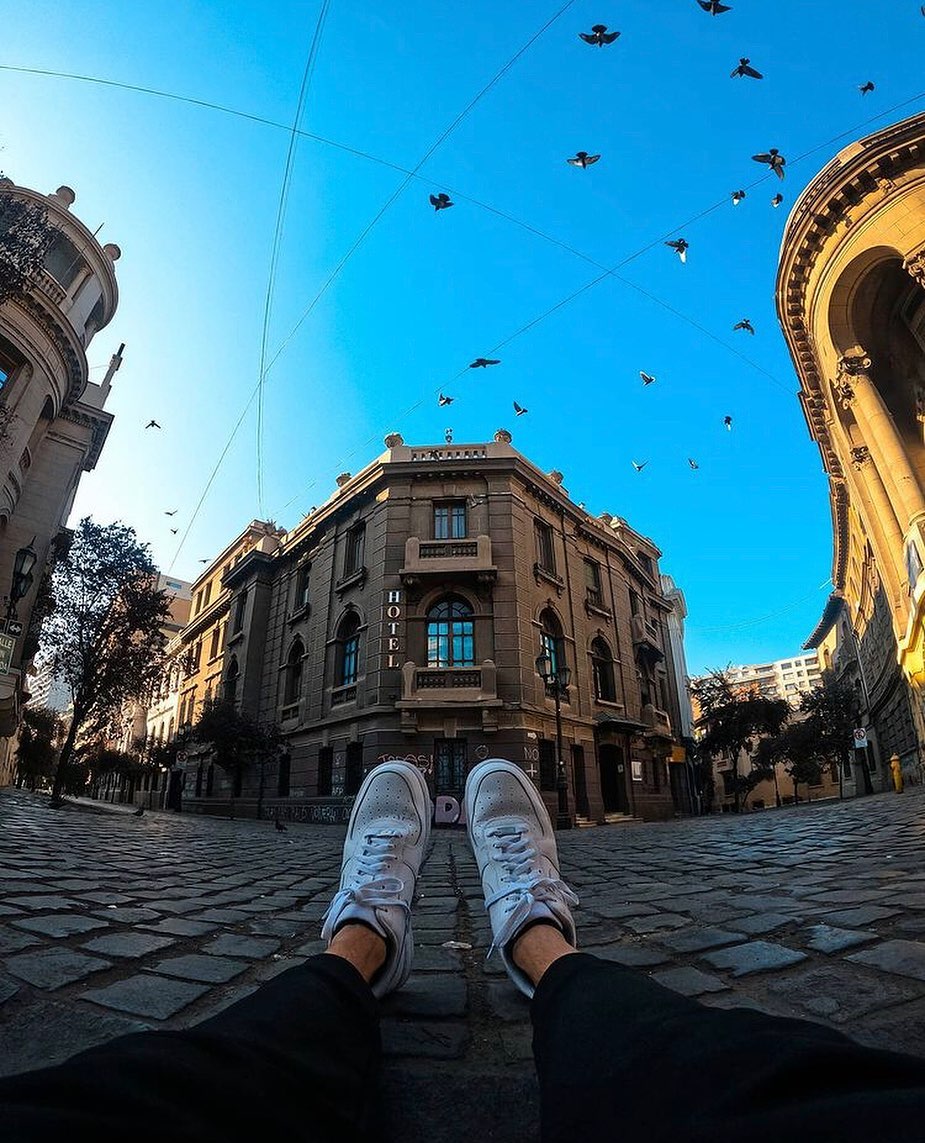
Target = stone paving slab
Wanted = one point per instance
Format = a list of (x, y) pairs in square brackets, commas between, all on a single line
[(60, 924), (689, 981), (127, 944), (828, 939), (904, 958), (149, 996), (695, 940), (211, 969), (755, 956), (54, 967)]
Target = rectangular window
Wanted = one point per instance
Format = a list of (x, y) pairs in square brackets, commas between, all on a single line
[(545, 552), (198, 606), (450, 520), (325, 771), (208, 595), (646, 563), (450, 766), (240, 605), (548, 773), (353, 554), (213, 646), (350, 661), (302, 586), (354, 763), (593, 583), (634, 602)]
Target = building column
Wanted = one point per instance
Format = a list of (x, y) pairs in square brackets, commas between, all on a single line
[(856, 391)]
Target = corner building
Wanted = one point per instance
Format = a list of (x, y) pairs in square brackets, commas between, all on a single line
[(851, 300), (403, 619)]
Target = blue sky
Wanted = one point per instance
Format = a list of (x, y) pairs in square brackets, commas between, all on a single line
[(191, 197)]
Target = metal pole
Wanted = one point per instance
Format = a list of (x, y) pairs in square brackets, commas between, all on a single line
[(563, 818)]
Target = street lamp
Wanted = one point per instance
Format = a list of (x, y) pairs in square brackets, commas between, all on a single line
[(22, 576), (557, 679)]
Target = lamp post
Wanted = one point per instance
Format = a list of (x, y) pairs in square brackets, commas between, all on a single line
[(22, 576), (557, 679)]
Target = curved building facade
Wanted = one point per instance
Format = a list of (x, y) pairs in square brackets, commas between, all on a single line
[(851, 300), (56, 292)]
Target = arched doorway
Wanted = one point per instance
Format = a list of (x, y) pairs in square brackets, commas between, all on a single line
[(612, 762)]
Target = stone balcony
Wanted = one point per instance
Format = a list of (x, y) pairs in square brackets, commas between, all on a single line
[(657, 721), (645, 639), (447, 559), (448, 688)]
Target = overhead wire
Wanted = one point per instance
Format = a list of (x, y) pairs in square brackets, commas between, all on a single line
[(762, 618), (278, 235)]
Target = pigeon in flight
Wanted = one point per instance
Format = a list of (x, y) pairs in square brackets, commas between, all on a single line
[(173, 531), (152, 424), (444, 401), (746, 325), (713, 7), (647, 378), (680, 247), (777, 200), (173, 513), (484, 362), (745, 68), (867, 88), (519, 410), (583, 159), (599, 35), (774, 159), (639, 466), (737, 197), (693, 463), (203, 561), (441, 201), (727, 421)]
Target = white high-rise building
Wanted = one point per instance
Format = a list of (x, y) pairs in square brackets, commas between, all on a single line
[(788, 679)]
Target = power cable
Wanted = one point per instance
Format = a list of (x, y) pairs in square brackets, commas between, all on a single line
[(761, 619), (278, 235)]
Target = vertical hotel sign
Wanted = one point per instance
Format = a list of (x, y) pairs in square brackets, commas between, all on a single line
[(394, 627)]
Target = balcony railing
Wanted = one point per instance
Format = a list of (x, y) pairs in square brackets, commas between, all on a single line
[(440, 685), (448, 557), (657, 720)]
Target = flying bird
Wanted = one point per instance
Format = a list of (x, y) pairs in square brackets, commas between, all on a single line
[(737, 197), (444, 401), (647, 378), (639, 466), (519, 410), (746, 325), (583, 159), (866, 88), (598, 35), (173, 513), (693, 463), (173, 531), (441, 201), (727, 421), (152, 424), (777, 200), (774, 159), (484, 362), (681, 247), (745, 68), (203, 561), (713, 7)]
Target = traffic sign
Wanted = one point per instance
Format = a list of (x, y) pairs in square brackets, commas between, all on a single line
[(860, 737), (7, 646), (182, 756), (14, 628)]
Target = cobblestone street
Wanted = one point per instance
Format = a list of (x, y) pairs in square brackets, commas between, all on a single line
[(110, 923)]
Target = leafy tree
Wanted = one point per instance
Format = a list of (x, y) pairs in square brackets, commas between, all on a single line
[(731, 718), (37, 751), (104, 636), (832, 712), (236, 739), (25, 236), (798, 748)]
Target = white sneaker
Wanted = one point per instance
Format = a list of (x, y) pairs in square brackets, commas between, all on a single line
[(515, 848), (386, 838)]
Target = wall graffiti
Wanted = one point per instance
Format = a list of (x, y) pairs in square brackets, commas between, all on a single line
[(424, 762)]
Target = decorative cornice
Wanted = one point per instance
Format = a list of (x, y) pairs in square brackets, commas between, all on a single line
[(97, 421), (63, 339)]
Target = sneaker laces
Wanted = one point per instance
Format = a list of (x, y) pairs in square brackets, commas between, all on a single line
[(377, 887), (512, 848)]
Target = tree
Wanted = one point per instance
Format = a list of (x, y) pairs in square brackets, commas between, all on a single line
[(832, 711), (236, 739), (25, 236), (37, 751), (104, 636), (798, 748), (731, 717)]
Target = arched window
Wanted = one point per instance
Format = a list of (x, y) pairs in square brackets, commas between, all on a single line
[(450, 638), (348, 650), (602, 672), (551, 640), (231, 680), (292, 687)]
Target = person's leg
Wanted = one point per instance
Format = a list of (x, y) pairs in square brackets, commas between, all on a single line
[(298, 1059)]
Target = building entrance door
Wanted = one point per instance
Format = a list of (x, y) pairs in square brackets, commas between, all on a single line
[(450, 767), (613, 778), (354, 768)]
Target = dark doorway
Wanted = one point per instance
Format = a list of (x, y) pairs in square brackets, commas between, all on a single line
[(175, 790), (450, 766), (354, 776), (613, 779), (581, 785)]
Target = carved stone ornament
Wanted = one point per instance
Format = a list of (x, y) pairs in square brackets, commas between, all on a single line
[(860, 455), (914, 266), (854, 363)]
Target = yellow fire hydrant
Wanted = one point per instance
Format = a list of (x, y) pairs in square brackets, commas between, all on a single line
[(896, 769)]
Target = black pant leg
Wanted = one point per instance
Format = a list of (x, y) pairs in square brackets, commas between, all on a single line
[(296, 1060), (619, 1056)]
